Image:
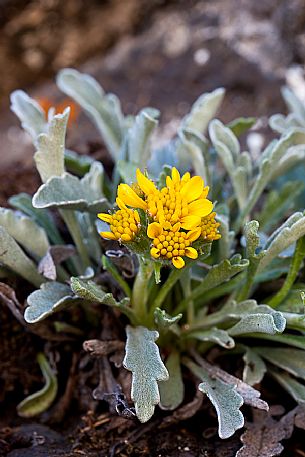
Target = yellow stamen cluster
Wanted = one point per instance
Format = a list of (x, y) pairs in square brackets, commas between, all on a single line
[(209, 228), (124, 224), (170, 243)]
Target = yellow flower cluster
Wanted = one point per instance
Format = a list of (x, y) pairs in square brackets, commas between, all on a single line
[(179, 214)]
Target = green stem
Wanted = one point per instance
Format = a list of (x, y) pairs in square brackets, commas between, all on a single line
[(139, 295), (109, 266), (186, 286), (294, 268), (166, 287), (71, 222)]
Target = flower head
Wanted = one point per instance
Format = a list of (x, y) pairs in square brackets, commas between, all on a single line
[(124, 223), (173, 217), (209, 227)]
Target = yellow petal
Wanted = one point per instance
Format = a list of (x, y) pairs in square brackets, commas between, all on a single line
[(200, 208), (108, 235), (105, 217), (192, 189), (191, 253), (175, 175), (169, 182), (154, 252), (146, 185), (129, 197), (193, 234), (205, 192), (190, 222), (186, 177), (120, 203), (176, 227), (178, 262), (154, 230)]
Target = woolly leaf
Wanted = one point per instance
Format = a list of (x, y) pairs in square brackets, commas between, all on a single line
[(55, 255), (30, 113), (287, 234), (13, 257), (278, 202), (294, 104), (280, 123), (23, 202), (69, 192), (38, 402), (127, 171), (291, 360), (104, 109), (203, 110), (259, 323), (24, 230), (143, 359), (214, 335), (50, 298), (138, 136), (254, 369), (196, 147), (226, 400), (172, 390), (164, 320), (89, 290), (293, 387), (49, 157)]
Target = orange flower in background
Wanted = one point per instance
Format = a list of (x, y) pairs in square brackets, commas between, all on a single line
[(47, 103)]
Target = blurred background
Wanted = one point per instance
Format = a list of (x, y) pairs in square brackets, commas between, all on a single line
[(150, 53)]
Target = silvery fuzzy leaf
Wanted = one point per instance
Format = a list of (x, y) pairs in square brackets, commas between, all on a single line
[(278, 202), (203, 110), (259, 323), (244, 161), (30, 113), (13, 257), (214, 335), (294, 104), (41, 400), (25, 230), (143, 359), (226, 400), (23, 202), (220, 273), (69, 192), (224, 244), (268, 161), (104, 109), (127, 171), (165, 155), (241, 125), (291, 360), (254, 368), (172, 390), (50, 298), (89, 290), (90, 235), (164, 320), (139, 134), (55, 255), (280, 123), (291, 385), (49, 156), (196, 147), (287, 234), (295, 155)]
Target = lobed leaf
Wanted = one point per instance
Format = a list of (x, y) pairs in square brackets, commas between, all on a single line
[(13, 257), (104, 109), (254, 369), (50, 298), (172, 390), (143, 359), (25, 230), (29, 112), (214, 335), (49, 157)]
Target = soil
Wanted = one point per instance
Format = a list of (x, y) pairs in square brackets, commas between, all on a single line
[(162, 54)]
